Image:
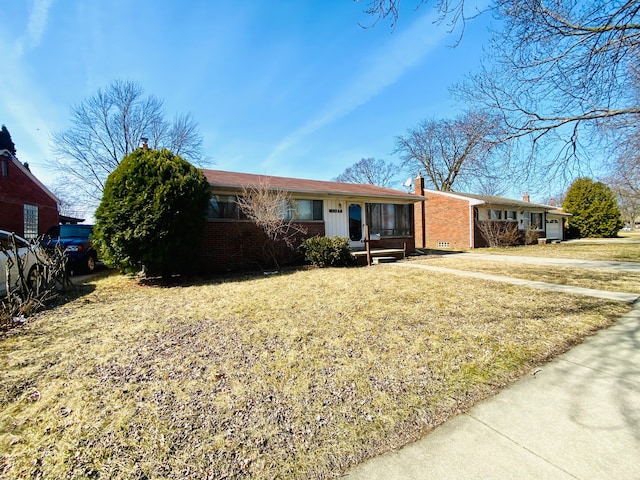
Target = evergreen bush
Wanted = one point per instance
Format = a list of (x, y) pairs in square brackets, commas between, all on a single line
[(152, 214), (594, 210), (328, 252)]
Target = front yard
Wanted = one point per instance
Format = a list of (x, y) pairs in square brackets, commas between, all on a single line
[(598, 279), (596, 249), (296, 375)]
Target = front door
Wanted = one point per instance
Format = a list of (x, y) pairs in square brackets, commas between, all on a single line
[(355, 222)]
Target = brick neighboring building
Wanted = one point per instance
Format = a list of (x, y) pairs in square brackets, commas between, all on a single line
[(232, 242), (448, 219), (27, 207)]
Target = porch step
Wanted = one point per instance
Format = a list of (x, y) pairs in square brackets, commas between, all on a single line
[(377, 260)]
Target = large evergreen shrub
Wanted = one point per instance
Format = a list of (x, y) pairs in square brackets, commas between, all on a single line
[(594, 209), (152, 214)]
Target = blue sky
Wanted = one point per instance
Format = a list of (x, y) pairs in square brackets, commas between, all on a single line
[(290, 88)]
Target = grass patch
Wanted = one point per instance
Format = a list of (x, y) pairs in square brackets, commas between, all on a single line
[(297, 375), (612, 281), (587, 250)]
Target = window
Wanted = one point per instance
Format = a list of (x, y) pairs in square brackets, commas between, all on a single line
[(495, 214), (389, 220), (7, 240), (30, 221), (304, 210), (510, 215), (224, 207), (535, 220), (4, 167)]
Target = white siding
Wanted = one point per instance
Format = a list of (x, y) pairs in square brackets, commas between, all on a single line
[(336, 218)]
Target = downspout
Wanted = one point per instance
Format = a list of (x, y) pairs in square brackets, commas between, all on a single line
[(472, 225), (419, 191)]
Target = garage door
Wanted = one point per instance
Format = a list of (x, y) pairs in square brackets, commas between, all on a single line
[(554, 228)]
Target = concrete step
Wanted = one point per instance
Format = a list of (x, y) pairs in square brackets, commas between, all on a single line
[(377, 260)]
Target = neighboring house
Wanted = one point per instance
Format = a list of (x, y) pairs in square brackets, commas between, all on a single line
[(27, 207), (448, 219), (321, 207)]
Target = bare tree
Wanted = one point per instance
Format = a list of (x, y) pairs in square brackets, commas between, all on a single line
[(453, 12), (624, 180), (452, 152), (273, 211), (558, 72), (108, 126), (370, 170)]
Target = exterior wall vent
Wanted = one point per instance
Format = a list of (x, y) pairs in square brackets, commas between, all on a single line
[(444, 245)]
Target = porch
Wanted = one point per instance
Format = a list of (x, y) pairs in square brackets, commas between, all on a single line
[(379, 255)]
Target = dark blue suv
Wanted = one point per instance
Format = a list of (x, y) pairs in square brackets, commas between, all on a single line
[(75, 240)]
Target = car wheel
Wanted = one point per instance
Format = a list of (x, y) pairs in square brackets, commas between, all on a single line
[(91, 263)]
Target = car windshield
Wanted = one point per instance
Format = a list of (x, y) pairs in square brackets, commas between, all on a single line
[(69, 231)]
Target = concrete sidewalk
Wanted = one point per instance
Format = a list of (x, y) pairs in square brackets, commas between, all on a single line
[(578, 417)]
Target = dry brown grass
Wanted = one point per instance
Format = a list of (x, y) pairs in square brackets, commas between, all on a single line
[(599, 279), (296, 375), (608, 249)]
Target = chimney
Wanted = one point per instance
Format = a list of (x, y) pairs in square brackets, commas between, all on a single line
[(145, 144), (525, 197), (552, 202), (419, 185)]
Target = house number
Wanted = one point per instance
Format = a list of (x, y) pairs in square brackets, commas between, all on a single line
[(335, 210)]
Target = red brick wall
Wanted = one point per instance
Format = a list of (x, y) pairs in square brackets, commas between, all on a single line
[(238, 245), (447, 220), (16, 190)]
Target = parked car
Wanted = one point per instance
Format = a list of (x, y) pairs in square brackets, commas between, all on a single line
[(26, 254), (75, 240)]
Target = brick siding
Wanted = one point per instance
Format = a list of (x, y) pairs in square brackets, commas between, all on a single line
[(231, 245), (447, 222), (16, 190)]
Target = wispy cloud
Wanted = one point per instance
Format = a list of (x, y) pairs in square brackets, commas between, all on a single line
[(383, 68), (24, 108), (36, 26)]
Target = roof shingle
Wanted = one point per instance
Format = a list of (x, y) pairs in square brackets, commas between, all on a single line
[(237, 181)]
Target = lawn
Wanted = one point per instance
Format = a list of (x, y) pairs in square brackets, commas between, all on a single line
[(296, 375), (605, 249), (599, 279)]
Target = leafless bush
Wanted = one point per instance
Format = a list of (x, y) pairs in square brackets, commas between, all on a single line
[(271, 210), (498, 233), (36, 287), (531, 235)]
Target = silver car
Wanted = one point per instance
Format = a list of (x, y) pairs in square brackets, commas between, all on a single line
[(26, 255)]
